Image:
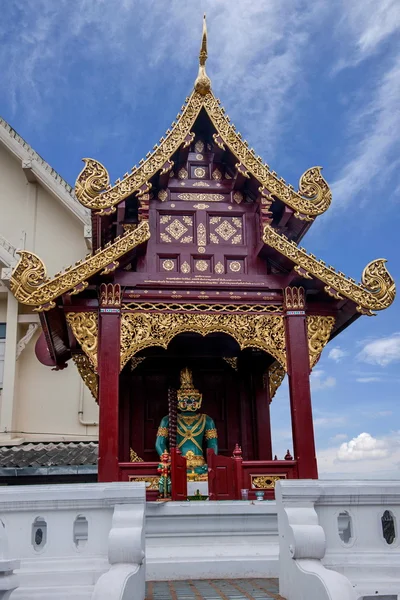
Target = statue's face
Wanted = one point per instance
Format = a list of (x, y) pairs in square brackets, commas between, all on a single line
[(189, 403)]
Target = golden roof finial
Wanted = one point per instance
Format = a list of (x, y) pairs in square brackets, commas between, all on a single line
[(202, 85)]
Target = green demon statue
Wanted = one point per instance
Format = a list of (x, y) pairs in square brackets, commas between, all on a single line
[(194, 429)]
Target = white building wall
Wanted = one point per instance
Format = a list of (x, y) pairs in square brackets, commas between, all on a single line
[(45, 405)]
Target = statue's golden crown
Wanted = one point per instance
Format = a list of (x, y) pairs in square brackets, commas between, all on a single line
[(187, 387)]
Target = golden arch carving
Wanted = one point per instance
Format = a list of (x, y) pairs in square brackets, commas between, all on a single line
[(142, 330)]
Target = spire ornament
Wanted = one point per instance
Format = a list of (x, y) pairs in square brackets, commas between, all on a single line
[(202, 85)]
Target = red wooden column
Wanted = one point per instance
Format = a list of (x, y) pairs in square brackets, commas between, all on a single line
[(263, 420), (108, 359), (298, 364)]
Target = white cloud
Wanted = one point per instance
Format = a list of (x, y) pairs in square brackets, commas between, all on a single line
[(382, 351), (368, 379), (362, 447), (320, 382), (339, 437), (337, 354), (372, 152), (364, 456), (329, 421), (369, 23)]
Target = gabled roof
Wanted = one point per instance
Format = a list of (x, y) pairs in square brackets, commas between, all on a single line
[(93, 187), (37, 169), (376, 292)]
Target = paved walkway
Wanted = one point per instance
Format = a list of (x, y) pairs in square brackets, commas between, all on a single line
[(214, 589)]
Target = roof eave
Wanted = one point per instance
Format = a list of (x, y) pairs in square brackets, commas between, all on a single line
[(42, 172)]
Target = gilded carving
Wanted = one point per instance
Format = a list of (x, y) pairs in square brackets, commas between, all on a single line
[(238, 197), (84, 326), (168, 265), (136, 361), (202, 85), (319, 329), (151, 481), (133, 457), (110, 294), (187, 306), (276, 374), (201, 265), (225, 230), (201, 235), (30, 284), (197, 196), (182, 173), (185, 267), (376, 292), (177, 229), (219, 268), (265, 482), (162, 195), (232, 361), (294, 298), (201, 184), (88, 374), (235, 266), (217, 175), (141, 330), (201, 206), (199, 146), (199, 172)]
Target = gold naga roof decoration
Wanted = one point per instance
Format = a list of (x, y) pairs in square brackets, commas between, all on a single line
[(376, 291), (93, 187), (30, 284)]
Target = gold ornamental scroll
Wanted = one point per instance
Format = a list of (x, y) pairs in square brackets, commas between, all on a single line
[(30, 284), (376, 292), (85, 327), (141, 330), (87, 372), (319, 329)]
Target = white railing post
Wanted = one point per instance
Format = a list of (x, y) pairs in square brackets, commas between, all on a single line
[(126, 554), (8, 580), (302, 544)]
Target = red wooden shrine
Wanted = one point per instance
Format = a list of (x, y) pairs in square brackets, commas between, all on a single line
[(196, 262)]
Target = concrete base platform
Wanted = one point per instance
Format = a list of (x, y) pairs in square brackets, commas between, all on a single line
[(211, 540), (217, 589)]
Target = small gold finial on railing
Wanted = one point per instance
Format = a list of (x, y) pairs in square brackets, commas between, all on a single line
[(202, 85)]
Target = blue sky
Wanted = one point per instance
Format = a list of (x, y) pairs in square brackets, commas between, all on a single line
[(307, 83)]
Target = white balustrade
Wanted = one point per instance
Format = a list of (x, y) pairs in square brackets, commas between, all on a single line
[(339, 540), (76, 541)]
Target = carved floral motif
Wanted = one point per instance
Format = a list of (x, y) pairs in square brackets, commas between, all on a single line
[(87, 372), (84, 326), (319, 329)]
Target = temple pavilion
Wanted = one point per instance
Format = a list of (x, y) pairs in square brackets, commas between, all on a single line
[(197, 264)]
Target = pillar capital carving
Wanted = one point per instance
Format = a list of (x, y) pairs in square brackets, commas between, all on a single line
[(110, 295), (294, 299)]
